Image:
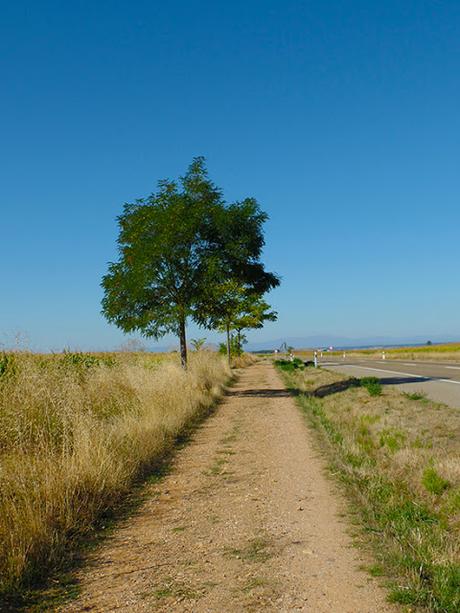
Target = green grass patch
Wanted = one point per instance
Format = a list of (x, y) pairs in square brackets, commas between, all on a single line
[(433, 482), (290, 365), (416, 396), (372, 384)]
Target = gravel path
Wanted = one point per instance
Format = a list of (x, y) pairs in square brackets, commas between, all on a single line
[(245, 521)]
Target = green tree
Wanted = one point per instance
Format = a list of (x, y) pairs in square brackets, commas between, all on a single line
[(198, 343), (255, 312), (233, 306), (167, 249), (177, 249)]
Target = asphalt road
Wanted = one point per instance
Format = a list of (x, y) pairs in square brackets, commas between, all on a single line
[(440, 381)]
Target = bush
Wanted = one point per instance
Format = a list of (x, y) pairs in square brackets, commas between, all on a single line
[(372, 384), (290, 365)]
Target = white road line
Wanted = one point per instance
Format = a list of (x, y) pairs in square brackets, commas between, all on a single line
[(452, 367), (407, 374)]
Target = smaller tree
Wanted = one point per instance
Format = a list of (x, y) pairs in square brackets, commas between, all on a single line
[(233, 307), (255, 312), (198, 343)]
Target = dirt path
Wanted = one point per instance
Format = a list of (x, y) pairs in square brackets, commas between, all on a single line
[(245, 521)]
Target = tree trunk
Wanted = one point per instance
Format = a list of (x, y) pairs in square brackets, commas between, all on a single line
[(229, 356), (183, 343), (239, 340)]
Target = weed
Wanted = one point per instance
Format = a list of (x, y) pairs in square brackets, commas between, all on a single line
[(257, 550), (416, 396), (372, 384), (392, 438), (376, 570), (290, 365), (433, 482), (172, 588)]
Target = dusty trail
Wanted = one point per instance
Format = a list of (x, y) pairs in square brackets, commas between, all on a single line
[(245, 521)]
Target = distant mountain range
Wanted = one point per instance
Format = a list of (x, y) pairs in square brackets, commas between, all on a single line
[(341, 342)]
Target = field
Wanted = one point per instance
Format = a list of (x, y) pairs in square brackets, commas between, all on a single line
[(398, 456), (76, 431), (449, 352)]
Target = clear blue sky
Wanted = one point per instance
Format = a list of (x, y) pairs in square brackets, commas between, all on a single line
[(341, 118)]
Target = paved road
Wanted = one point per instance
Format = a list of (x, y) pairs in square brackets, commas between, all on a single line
[(439, 380)]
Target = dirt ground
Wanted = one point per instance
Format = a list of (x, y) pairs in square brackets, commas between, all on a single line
[(246, 520)]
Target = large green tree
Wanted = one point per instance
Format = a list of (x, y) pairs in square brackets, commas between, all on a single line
[(175, 247)]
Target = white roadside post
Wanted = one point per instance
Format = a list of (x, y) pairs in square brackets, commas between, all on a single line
[(315, 359), (383, 355)]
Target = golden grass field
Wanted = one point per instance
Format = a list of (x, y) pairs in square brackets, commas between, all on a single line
[(449, 352), (76, 431), (399, 458)]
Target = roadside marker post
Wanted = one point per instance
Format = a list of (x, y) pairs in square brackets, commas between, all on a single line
[(315, 359)]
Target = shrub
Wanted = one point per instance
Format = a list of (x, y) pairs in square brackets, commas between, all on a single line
[(290, 365), (372, 384)]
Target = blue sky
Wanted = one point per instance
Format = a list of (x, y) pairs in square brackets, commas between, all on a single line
[(341, 118)]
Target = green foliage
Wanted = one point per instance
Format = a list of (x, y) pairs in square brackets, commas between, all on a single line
[(7, 364), (254, 312), (235, 347), (167, 248), (198, 343), (433, 482), (290, 365), (87, 360), (415, 395), (175, 247), (372, 384), (392, 439)]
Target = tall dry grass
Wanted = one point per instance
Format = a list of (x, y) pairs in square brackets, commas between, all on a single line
[(75, 432)]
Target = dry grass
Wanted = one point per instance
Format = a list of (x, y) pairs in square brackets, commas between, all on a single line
[(399, 456), (75, 432), (244, 360), (446, 352)]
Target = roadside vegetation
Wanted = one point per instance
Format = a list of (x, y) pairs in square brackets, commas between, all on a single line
[(76, 432), (398, 456)]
